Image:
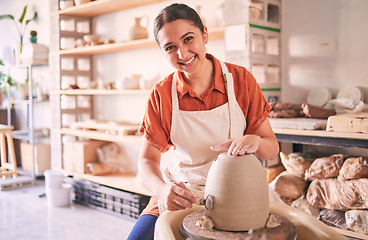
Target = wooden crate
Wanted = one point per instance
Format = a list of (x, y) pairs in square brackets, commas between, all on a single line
[(78, 154), (41, 155)]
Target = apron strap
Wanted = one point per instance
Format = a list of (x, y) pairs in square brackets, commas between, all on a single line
[(229, 85), (174, 95)]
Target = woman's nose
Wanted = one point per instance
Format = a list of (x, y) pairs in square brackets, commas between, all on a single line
[(181, 52)]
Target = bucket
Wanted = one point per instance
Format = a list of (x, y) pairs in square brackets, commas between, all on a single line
[(59, 197), (53, 179)]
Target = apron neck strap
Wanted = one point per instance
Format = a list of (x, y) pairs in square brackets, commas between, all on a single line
[(174, 95), (229, 85)]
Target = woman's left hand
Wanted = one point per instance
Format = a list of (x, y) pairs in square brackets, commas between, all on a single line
[(245, 145)]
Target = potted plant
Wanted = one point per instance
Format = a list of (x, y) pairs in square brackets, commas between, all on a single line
[(5, 80), (20, 24)]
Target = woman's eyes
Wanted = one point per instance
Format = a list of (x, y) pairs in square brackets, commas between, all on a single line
[(171, 47), (187, 39)]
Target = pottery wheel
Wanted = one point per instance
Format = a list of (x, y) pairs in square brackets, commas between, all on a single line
[(189, 230)]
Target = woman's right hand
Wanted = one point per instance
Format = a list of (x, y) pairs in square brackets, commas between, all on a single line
[(176, 196)]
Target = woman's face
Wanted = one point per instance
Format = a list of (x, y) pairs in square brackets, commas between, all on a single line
[(183, 44)]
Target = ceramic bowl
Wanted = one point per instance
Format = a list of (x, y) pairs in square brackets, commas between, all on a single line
[(90, 38), (130, 82), (79, 2), (66, 4), (148, 81)]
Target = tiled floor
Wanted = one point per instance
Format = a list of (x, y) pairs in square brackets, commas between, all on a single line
[(24, 215)]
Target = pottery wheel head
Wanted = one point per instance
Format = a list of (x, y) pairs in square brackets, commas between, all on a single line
[(284, 230)]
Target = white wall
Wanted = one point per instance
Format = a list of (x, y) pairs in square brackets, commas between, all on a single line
[(303, 66)]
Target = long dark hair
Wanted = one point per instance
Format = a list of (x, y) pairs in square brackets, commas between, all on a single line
[(174, 12)]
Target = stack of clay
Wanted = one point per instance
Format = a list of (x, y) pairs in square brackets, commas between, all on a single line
[(57, 192), (331, 188), (289, 110)]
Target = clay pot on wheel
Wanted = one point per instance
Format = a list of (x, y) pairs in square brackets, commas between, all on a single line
[(236, 193)]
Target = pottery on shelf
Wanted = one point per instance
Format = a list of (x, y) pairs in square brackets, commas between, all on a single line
[(236, 193), (91, 38), (66, 4), (138, 31), (129, 82), (79, 2), (148, 81)]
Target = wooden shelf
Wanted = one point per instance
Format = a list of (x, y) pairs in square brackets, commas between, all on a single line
[(320, 137), (110, 48), (100, 92), (99, 135), (215, 34), (127, 182), (100, 7)]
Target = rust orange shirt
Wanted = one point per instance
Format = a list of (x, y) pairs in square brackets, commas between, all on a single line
[(156, 125)]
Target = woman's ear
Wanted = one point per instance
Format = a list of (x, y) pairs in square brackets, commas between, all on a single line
[(205, 35)]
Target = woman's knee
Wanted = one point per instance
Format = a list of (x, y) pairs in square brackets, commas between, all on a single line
[(144, 228)]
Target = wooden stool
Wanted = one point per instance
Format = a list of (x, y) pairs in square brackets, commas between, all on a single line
[(7, 168)]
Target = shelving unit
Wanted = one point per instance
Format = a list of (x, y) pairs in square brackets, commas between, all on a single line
[(215, 34), (100, 92), (324, 138), (97, 8), (27, 135)]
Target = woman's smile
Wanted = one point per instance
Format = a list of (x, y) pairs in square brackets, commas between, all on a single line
[(189, 63)]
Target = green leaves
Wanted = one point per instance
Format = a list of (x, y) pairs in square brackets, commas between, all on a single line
[(4, 78), (23, 14), (23, 24), (32, 19), (6, 16)]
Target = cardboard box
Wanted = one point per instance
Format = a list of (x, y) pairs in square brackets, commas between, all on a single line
[(41, 156), (78, 154)]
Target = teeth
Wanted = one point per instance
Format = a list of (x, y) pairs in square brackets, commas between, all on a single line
[(189, 61)]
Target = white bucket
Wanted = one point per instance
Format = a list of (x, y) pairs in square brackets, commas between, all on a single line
[(59, 197), (53, 179)]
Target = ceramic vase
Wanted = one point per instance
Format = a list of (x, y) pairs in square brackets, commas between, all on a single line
[(138, 31), (236, 193)]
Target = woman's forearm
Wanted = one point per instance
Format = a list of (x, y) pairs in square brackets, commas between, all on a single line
[(268, 148), (150, 174)]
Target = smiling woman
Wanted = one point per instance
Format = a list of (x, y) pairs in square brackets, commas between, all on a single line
[(205, 107)]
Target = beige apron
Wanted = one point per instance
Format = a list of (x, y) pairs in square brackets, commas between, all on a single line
[(193, 132)]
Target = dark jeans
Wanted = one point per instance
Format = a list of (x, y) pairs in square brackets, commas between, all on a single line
[(144, 228)]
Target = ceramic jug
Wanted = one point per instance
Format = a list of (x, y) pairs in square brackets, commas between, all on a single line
[(236, 193), (138, 31)]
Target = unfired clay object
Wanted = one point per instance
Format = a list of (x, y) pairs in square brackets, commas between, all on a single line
[(236, 193)]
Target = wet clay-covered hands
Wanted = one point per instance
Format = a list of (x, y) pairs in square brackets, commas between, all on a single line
[(176, 196), (245, 145)]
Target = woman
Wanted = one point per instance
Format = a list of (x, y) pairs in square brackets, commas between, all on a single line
[(204, 107)]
